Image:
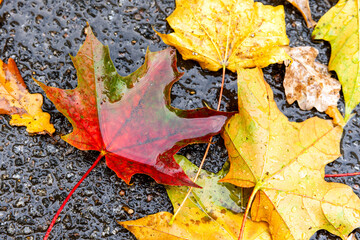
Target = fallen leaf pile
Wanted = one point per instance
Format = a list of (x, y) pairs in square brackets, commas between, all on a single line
[(288, 167), (210, 213), (309, 82), (131, 122)]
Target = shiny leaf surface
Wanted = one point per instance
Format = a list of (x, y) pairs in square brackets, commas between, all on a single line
[(129, 119)]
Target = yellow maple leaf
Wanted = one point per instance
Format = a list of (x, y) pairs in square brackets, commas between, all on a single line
[(340, 26), (210, 213), (228, 33), (285, 163), (15, 100)]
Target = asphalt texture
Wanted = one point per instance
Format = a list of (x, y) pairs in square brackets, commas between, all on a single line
[(37, 172)]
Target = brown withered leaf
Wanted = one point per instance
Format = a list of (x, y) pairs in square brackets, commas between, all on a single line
[(304, 8), (15, 100), (309, 82), (352, 237)]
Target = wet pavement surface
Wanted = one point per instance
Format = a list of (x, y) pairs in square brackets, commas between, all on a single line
[(37, 172)]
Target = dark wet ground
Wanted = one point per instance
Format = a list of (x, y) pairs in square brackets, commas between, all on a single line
[(37, 172)]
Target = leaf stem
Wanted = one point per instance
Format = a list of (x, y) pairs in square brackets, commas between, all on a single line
[(205, 154), (70, 194), (221, 90), (342, 175), (251, 199)]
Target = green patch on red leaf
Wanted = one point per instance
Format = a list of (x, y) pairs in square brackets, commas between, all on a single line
[(130, 119)]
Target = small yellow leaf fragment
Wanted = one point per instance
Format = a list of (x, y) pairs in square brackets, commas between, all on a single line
[(304, 8), (15, 100), (334, 113), (309, 82), (231, 33)]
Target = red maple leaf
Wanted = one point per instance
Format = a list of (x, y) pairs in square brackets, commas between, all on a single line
[(130, 119)]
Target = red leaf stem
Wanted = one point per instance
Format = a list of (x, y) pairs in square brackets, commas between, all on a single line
[(70, 194), (342, 175)]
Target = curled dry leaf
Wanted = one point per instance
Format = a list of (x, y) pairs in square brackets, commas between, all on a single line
[(210, 213), (130, 119), (304, 8), (309, 82), (285, 163), (24, 107), (340, 26), (334, 113), (229, 33)]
